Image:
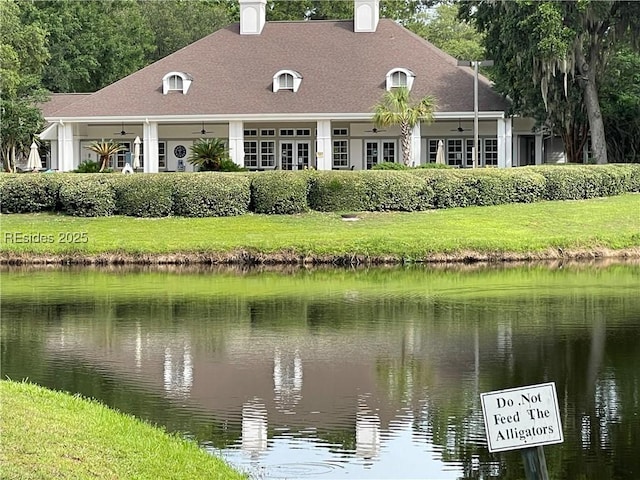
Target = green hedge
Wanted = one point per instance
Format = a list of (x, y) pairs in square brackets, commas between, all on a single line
[(211, 195), (144, 195), (286, 192), (381, 190), (280, 192), (28, 193), (88, 196)]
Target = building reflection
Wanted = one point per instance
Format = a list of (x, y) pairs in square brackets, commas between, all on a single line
[(254, 428)]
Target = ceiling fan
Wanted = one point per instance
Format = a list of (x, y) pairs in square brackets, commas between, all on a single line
[(459, 129), (375, 130), (203, 131), (122, 132)]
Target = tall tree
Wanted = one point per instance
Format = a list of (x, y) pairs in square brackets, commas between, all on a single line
[(443, 28), (396, 108), (23, 53), (92, 43), (562, 45)]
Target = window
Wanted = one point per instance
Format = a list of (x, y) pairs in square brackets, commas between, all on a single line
[(287, 80), (267, 133), (389, 152), (267, 154), (176, 82), (251, 154), (491, 152), (303, 132), (340, 154), (377, 151), (250, 132), (340, 132), (162, 155), (286, 132), (432, 150), (400, 77), (454, 152), (123, 155), (469, 153)]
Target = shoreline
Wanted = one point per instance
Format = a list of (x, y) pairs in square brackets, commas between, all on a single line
[(247, 258)]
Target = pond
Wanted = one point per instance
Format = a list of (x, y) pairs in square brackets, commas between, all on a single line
[(343, 373)]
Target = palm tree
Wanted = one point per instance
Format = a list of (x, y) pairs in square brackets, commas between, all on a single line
[(395, 109), (105, 149), (209, 154)]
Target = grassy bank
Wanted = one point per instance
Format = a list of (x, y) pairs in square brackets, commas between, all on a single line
[(517, 231), (49, 434)]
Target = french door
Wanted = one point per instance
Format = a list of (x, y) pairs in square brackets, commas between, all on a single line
[(294, 155)]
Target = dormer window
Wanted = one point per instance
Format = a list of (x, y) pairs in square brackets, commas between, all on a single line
[(400, 77), (287, 80), (176, 82)]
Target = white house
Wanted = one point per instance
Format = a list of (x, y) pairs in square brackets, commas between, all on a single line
[(287, 95)]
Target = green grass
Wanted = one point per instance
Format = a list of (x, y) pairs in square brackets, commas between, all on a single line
[(612, 223), (48, 435)]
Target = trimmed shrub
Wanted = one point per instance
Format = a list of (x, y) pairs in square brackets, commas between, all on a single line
[(390, 166), (211, 195), (28, 193), (433, 165), (148, 195), (280, 192), (369, 191), (449, 187), (88, 197), (339, 191)]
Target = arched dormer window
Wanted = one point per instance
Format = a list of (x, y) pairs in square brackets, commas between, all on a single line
[(287, 80), (176, 82), (400, 77)]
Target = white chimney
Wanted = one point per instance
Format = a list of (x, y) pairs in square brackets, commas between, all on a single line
[(366, 14), (252, 16)]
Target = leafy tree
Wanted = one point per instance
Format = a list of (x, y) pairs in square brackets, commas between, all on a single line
[(400, 10), (177, 23), (395, 108), (210, 155), (104, 150), (92, 43), (443, 28), (23, 53), (563, 47)]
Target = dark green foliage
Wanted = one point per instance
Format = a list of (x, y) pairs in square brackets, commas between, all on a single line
[(280, 192), (338, 192), (27, 193), (144, 195), (211, 195), (89, 166), (569, 182), (369, 191), (209, 155), (389, 166), (89, 196)]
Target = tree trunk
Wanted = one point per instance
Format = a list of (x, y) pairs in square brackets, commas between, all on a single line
[(596, 124), (405, 132)]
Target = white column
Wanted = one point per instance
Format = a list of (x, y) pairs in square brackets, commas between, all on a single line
[(236, 142), (324, 153), (502, 144), (65, 147), (508, 142), (150, 142), (416, 145)]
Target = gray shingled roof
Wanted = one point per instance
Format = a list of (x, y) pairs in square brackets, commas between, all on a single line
[(343, 72)]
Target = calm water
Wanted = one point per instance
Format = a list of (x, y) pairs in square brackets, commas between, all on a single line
[(360, 374)]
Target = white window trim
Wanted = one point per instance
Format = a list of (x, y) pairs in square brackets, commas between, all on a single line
[(186, 82), (297, 80), (410, 77)]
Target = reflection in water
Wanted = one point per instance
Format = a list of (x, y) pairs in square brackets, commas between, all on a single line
[(287, 380), (362, 374)]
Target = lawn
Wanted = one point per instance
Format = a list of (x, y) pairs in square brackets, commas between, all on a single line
[(48, 434), (611, 223)]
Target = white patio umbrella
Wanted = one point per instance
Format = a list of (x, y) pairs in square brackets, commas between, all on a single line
[(34, 162), (136, 153), (440, 152)]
